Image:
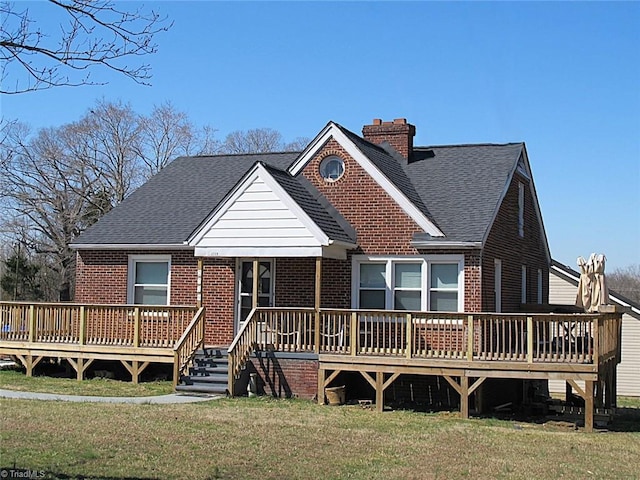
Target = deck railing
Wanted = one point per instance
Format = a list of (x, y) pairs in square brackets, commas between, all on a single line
[(113, 325), (557, 338), (190, 341)]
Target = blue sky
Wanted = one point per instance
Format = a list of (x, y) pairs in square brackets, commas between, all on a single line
[(563, 77)]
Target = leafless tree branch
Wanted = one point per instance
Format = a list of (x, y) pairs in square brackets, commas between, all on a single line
[(94, 33)]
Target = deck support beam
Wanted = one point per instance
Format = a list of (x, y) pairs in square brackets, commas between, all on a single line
[(588, 395), (80, 365), (135, 368), (29, 362)]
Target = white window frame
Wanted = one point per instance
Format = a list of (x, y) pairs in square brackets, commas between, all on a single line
[(131, 276), (426, 262)]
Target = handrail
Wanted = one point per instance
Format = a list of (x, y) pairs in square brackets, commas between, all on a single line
[(186, 347), (478, 336), (241, 348), (154, 326)]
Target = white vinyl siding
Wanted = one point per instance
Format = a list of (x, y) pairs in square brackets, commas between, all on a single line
[(258, 218), (563, 292)]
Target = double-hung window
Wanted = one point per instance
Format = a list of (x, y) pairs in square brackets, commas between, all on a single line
[(409, 283), (149, 279), (443, 287)]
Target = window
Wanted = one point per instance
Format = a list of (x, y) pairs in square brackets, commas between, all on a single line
[(372, 286), (521, 209), (523, 293), (149, 279), (407, 287), (443, 288), (540, 286), (332, 168), (409, 283)]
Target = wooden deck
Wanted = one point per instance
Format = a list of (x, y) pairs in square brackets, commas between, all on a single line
[(464, 348), (135, 335)]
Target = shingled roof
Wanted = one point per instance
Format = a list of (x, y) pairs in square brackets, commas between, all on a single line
[(457, 187), (172, 204), (463, 185)]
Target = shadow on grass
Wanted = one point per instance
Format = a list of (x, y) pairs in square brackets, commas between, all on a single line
[(626, 420)]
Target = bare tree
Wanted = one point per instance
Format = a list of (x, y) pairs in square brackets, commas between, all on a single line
[(46, 191), (626, 281), (168, 133), (107, 140), (92, 33), (259, 140), (297, 145), (57, 182)]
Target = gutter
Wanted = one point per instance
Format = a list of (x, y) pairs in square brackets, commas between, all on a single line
[(445, 245), (130, 246)]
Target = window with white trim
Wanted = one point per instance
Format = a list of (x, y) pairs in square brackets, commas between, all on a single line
[(149, 279), (421, 283), (523, 285)]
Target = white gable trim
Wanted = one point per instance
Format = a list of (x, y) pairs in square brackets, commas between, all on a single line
[(307, 234), (333, 131)]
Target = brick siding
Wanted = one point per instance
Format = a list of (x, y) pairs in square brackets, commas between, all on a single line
[(285, 377), (505, 243)]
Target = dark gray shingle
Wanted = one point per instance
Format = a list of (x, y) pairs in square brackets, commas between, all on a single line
[(173, 203)]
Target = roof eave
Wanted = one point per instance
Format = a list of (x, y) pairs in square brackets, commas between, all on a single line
[(130, 246), (445, 245)]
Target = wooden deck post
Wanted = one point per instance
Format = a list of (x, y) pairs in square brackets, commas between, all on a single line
[(354, 334), (380, 391), (464, 396), (82, 334), (470, 338), (199, 283), (588, 406), (321, 378), (32, 323), (409, 339), (176, 372), (317, 300), (136, 326), (256, 273), (529, 339)]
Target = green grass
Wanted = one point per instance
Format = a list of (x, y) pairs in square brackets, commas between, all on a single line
[(17, 380), (293, 439)]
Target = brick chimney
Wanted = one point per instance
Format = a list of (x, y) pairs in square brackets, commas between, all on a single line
[(398, 133)]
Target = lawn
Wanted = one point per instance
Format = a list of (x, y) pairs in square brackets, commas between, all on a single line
[(264, 438), (17, 380)]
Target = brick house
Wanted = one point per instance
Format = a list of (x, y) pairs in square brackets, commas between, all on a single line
[(377, 222)]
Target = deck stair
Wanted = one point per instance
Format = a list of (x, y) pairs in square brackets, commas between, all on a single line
[(209, 373)]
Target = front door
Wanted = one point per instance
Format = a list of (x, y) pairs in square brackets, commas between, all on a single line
[(245, 287)]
